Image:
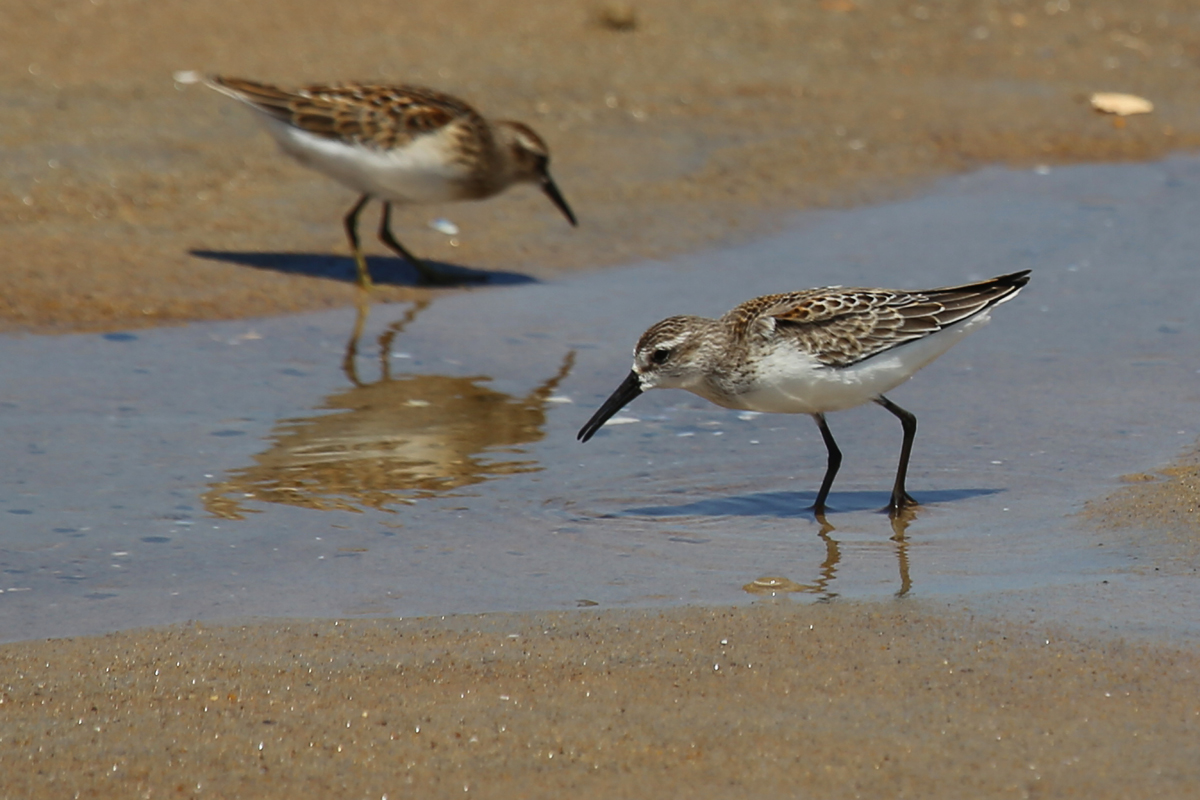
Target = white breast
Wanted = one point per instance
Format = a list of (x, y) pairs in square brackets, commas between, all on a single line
[(420, 172), (790, 381)]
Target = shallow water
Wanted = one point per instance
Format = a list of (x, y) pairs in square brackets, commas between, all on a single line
[(428, 465)]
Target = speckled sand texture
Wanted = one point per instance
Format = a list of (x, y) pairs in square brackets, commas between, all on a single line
[(829, 701)]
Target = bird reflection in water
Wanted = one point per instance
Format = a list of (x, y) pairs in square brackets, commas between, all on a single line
[(773, 585), (393, 440)]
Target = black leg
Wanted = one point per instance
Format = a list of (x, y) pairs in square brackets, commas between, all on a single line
[(428, 273), (351, 223), (835, 461), (385, 236), (900, 498)]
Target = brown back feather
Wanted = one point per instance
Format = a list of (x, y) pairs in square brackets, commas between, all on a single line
[(841, 327), (380, 116)]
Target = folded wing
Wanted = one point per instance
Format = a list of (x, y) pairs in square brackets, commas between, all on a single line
[(841, 327), (380, 116)]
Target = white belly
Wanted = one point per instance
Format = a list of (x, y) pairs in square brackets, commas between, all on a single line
[(420, 172), (793, 382)]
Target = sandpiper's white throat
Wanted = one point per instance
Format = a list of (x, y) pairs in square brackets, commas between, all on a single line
[(811, 352), (401, 145)]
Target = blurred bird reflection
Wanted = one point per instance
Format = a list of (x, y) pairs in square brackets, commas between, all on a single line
[(391, 441)]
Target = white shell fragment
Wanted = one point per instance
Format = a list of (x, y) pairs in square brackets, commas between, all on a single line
[(187, 76), (1121, 104), (443, 225)]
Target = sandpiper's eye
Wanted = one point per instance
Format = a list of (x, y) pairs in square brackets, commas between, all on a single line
[(660, 356)]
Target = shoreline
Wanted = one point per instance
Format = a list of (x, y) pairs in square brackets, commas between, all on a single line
[(133, 202)]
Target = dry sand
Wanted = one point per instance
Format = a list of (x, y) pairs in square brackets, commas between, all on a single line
[(708, 122), (705, 123)]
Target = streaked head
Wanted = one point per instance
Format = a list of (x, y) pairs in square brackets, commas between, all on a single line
[(530, 159), (672, 354)]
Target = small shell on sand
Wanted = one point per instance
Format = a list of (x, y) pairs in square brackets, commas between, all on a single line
[(1121, 104), (617, 16), (772, 584)]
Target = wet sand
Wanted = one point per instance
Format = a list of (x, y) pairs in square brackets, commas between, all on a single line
[(846, 700), (1163, 504), (131, 201)]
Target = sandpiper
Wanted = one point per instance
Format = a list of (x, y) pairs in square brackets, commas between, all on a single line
[(401, 145), (811, 352)]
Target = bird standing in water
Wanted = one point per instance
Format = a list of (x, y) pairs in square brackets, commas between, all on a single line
[(812, 352)]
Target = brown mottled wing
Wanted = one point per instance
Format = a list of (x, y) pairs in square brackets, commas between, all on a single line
[(841, 327), (381, 116)]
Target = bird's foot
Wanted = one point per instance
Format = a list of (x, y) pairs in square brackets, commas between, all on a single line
[(900, 505)]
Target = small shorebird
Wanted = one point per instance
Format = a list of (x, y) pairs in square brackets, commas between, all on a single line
[(398, 144), (811, 352)]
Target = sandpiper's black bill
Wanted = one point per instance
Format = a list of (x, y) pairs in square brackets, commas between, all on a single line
[(628, 390), (551, 190)]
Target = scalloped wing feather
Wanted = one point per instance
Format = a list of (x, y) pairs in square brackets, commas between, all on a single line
[(840, 327), (380, 116)]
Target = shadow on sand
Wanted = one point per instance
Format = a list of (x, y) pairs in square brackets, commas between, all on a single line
[(386, 270)]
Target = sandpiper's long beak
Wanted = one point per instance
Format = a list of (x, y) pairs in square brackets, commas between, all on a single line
[(556, 197), (629, 389)]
